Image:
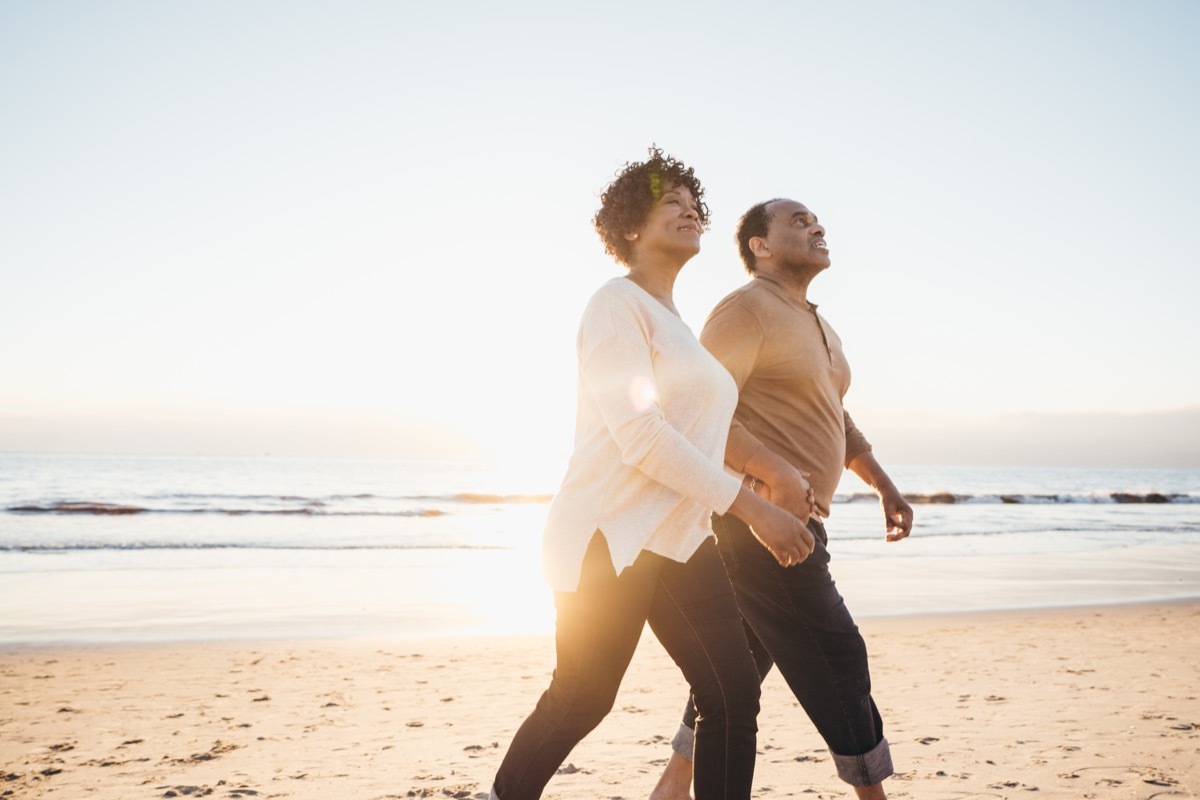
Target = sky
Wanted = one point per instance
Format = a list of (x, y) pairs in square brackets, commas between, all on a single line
[(364, 228)]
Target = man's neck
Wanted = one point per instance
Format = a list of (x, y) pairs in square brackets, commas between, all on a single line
[(795, 285)]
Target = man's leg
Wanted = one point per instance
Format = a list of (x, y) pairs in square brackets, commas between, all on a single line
[(802, 621), (675, 783)]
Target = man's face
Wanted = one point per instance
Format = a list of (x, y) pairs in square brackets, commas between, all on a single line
[(795, 238)]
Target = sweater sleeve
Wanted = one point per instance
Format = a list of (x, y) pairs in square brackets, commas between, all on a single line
[(734, 336), (856, 442), (617, 367)]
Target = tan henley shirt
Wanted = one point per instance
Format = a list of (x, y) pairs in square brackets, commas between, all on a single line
[(791, 376)]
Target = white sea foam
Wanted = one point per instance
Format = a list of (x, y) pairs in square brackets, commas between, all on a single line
[(224, 547)]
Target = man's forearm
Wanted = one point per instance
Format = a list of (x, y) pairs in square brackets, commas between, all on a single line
[(897, 513), (866, 467), (767, 465)]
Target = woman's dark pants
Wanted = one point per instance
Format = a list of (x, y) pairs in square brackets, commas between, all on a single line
[(691, 609)]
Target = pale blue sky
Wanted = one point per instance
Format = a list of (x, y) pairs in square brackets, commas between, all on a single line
[(340, 219)]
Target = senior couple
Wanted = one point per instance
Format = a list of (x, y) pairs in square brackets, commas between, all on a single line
[(629, 537)]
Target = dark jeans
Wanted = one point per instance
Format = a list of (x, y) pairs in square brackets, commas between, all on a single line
[(692, 611), (796, 619)]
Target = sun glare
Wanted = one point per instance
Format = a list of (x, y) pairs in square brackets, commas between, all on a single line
[(642, 393), (507, 594)]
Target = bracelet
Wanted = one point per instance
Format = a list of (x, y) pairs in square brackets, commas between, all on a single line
[(753, 483)]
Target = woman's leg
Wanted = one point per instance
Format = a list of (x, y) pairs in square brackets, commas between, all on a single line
[(597, 630), (675, 783), (695, 616), (685, 737)]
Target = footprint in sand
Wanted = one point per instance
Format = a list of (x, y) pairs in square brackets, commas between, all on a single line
[(459, 792), (571, 769), (1124, 776), (186, 791)]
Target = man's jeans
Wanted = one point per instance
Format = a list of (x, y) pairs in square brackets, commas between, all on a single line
[(692, 611), (796, 619)]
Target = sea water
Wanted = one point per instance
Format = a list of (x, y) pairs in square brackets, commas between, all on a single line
[(118, 548)]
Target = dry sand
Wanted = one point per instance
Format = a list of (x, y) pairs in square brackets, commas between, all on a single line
[(1079, 703)]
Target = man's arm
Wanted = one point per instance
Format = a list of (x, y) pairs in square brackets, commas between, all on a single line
[(896, 510), (781, 483), (733, 335)]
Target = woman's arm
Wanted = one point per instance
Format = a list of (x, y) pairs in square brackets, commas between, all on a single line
[(618, 371)]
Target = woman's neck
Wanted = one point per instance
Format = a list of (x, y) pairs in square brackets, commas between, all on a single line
[(658, 281)]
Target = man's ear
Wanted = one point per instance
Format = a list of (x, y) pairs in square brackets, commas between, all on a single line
[(759, 246)]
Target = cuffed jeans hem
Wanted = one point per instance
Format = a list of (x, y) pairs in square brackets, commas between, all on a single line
[(684, 742), (494, 796), (868, 769)]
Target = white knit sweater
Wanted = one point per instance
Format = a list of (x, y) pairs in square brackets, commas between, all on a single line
[(653, 416)]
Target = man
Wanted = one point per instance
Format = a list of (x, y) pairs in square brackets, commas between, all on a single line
[(792, 376)]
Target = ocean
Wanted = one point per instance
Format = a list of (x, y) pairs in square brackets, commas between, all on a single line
[(97, 549)]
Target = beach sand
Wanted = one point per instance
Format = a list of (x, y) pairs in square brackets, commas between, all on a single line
[(1100, 702)]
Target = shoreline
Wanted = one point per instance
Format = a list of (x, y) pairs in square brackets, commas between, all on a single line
[(428, 639), (415, 594), (1097, 701)]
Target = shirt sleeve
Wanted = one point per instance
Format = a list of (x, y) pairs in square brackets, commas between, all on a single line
[(616, 363), (734, 336), (856, 442)]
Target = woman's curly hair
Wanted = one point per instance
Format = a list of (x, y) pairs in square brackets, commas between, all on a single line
[(626, 203)]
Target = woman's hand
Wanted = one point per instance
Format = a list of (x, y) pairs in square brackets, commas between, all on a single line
[(781, 532)]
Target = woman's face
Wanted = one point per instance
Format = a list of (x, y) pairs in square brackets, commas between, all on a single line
[(672, 226)]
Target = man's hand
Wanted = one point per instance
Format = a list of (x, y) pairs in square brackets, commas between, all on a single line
[(777, 481), (786, 537), (897, 514), (790, 491)]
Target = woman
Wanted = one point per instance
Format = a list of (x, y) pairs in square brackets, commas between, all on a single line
[(628, 537)]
